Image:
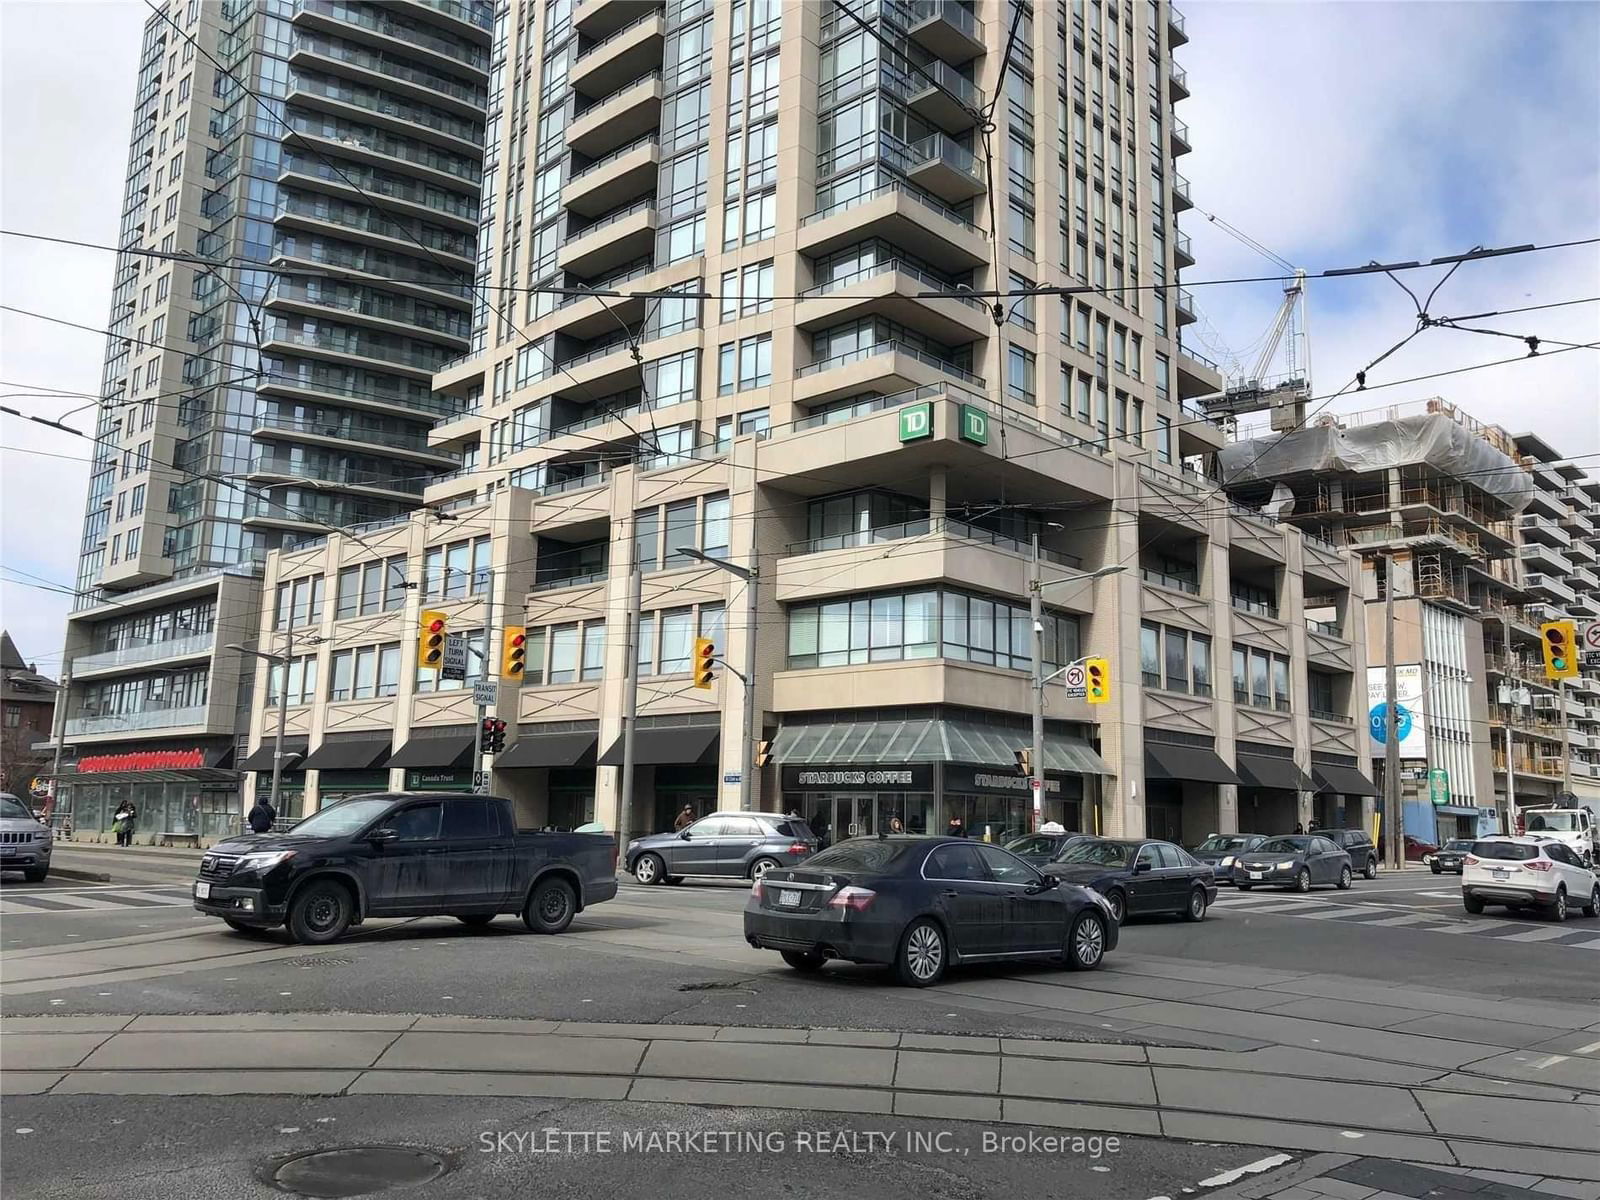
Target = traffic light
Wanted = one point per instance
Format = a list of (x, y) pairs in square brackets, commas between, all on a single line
[(1560, 642), (430, 640), (494, 735), (705, 653), (1024, 761), (514, 652), (763, 753), (1097, 675)]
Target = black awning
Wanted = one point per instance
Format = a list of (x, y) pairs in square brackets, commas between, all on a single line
[(549, 750), (440, 750), (260, 759), (1268, 771), (1197, 763), (670, 744), (1334, 777), (350, 754)]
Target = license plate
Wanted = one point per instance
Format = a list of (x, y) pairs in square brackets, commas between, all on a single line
[(202, 891), (8, 853), (1258, 874), (789, 899), (1499, 874)]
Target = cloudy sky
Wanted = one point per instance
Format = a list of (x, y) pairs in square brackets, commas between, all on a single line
[(1332, 134)]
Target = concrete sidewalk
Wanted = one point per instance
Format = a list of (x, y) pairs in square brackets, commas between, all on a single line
[(1174, 1092)]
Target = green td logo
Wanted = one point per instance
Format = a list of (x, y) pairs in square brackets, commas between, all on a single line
[(916, 421), (974, 425)]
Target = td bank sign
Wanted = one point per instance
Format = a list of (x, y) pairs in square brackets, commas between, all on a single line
[(916, 423)]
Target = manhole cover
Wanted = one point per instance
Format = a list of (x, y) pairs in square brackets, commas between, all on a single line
[(717, 985), (357, 1170), (324, 960)]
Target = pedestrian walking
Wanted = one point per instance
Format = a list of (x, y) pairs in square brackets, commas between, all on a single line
[(123, 822), (685, 819), (1298, 828), (262, 816), (956, 828), (895, 826)]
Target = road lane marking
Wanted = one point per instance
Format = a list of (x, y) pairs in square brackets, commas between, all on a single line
[(1255, 1168), (1549, 1062), (1533, 934)]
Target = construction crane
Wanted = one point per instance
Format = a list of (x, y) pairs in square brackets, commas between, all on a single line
[(1284, 396)]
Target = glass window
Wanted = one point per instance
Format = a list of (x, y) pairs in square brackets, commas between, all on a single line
[(677, 637), (594, 649), (418, 823), (647, 538), (533, 673), (1150, 654), (389, 669), (1177, 658), (563, 653), (680, 531), (343, 674), (714, 526), (1241, 676), (1280, 683), (956, 862), (1260, 669), (713, 624), (349, 599), (1200, 663), (366, 673)]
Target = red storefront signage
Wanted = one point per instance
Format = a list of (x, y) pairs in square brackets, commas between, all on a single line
[(143, 760)]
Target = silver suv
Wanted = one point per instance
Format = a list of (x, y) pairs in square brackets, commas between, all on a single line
[(738, 845), (25, 841)]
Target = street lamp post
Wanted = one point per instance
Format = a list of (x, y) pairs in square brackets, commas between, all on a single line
[(748, 676), (283, 701), (1036, 586)]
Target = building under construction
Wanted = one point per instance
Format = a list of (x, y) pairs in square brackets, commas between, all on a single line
[(1433, 501)]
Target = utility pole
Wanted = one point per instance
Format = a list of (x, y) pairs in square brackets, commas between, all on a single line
[(63, 694), (1566, 745), (1511, 769), (1392, 837), (749, 574), (1036, 614), (489, 639), (283, 716), (630, 698)]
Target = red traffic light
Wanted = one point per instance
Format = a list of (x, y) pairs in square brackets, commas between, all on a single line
[(518, 639), (435, 625)]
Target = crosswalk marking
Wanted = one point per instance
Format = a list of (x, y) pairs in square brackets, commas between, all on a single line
[(129, 899), (1384, 914)]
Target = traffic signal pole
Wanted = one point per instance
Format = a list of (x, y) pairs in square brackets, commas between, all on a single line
[(489, 639), (1036, 613)]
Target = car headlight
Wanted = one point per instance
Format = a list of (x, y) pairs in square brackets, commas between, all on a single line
[(1284, 866), (633, 843), (1226, 862), (263, 861)]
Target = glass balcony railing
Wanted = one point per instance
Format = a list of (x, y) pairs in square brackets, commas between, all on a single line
[(132, 722), (351, 431), (177, 647), (938, 147), (378, 21), (861, 355), (931, 282), (921, 197), (648, 139), (1180, 583), (386, 64), (653, 15)]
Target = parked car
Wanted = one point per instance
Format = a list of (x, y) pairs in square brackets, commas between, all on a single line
[(25, 841), (1357, 843), (1040, 848), (1220, 849), (1449, 857), (1417, 850), (921, 904), (1528, 872), (1139, 877), (1574, 826), (1299, 861), (405, 854), (737, 845)]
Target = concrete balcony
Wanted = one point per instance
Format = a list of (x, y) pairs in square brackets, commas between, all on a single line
[(1182, 251), (337, 435), (1179, 137), (1551, 586), (601, 18), (1180, 194), (948, 30), (138, 722), (945, 97), (1536, 529), (1177, 82), (624, 175), (1176, 34), (909, 219), (172, 650), (885, 368), (1539, 557), (623, 117), (947, 170), (610, 242), (1184, 308), (890, 290), (625, 54)]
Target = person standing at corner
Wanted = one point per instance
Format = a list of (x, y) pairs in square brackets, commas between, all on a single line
[(124, 821), (262, 816), (685, 819)]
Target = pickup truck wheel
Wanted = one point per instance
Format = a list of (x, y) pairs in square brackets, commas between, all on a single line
[(551, 907), (649, 868), (320, 913), (476, 920)]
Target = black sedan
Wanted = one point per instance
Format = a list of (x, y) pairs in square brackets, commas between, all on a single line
[(1040, 848), (1297, 862), (1221, 849), (1449, 857), (920, 904), (1138, 877)]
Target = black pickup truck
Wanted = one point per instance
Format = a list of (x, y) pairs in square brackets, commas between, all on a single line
[(405, 854)]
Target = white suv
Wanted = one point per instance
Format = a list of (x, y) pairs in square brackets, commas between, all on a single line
[(1528, 872)]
